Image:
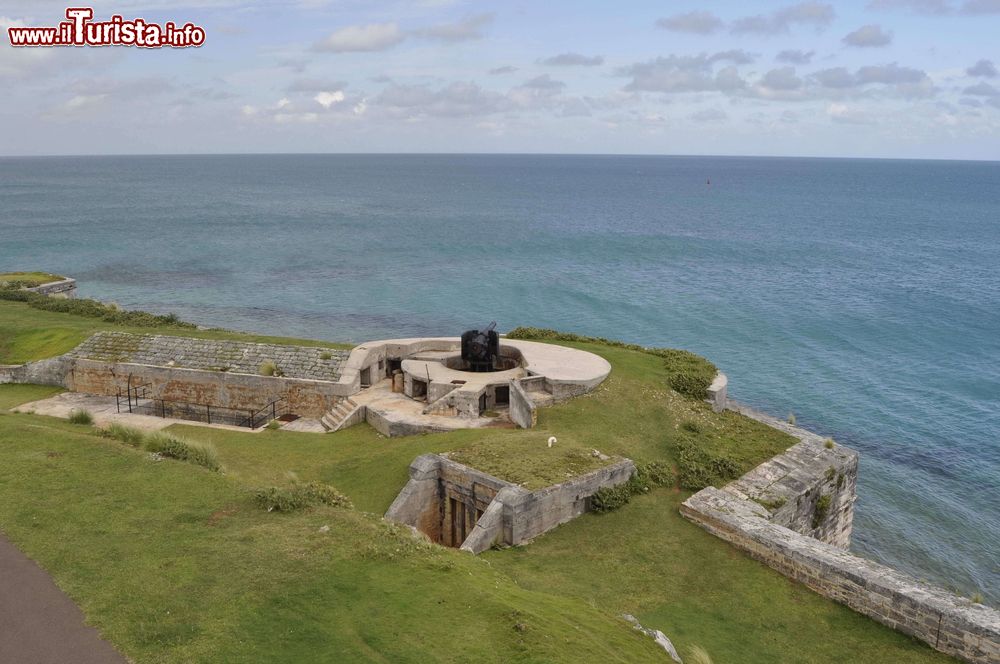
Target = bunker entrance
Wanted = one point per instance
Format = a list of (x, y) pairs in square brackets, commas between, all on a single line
[(419, 389), (502, 397), (459, 516)]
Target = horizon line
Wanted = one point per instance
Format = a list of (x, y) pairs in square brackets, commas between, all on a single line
[(490, 154)]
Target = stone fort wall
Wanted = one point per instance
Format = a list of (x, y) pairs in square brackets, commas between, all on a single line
[(772, 513)]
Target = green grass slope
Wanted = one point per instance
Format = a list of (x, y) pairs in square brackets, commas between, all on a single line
[(175, 563)]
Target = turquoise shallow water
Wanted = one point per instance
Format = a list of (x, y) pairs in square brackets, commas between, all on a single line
[(863, 296)]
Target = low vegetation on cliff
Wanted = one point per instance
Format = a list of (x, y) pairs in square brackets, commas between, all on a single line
[(174, 564), (27, 279)]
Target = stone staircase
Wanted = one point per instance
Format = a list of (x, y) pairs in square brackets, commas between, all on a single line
[(341, 416)]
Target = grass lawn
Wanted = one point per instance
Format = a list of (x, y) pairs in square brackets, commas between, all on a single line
[(30, 334), (30, 279), (174, 563)]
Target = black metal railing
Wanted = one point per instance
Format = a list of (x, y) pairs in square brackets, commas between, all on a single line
[(137, 401)]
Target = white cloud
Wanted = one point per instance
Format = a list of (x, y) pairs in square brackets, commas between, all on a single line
[(845, 114), (362, 38), (328, 99)]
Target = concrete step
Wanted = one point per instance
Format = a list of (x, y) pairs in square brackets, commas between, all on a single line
[(334, 418)]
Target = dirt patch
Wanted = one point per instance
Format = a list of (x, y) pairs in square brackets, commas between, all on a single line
[(218, 515), (53, 455)]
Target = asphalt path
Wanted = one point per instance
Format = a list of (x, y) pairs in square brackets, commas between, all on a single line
[(39, 623)]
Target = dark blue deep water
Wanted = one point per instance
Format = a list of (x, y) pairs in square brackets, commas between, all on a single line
[(864, 296)]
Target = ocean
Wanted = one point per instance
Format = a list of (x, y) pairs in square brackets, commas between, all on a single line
[(861, 295)]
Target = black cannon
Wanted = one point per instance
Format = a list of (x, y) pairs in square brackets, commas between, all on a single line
[(480, 349)]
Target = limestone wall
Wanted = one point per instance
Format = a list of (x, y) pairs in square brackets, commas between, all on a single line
[(212, 355), (948, 623), (307, 398)]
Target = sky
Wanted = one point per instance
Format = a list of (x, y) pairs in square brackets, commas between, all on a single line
[(875, 78)]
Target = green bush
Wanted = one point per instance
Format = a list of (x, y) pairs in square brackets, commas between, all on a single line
[(698, 468), (299, 496), (182, 450), (92, 309), (81, 417), (325, 355), (646, 476), (269, 368), (125, 434), (687, 373), (273, 425), (822, 507)]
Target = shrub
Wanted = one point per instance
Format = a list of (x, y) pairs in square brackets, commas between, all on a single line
[(125, 434), (299, 496), (81, 417), (699, 468), (828, 444), (821, 509), (610, 498), (646, 476), (273, 425), (182, 450), (687, 373), (691, 426), (325, 355), (92, 309), (977, 598), (269, 368), (791, 419)]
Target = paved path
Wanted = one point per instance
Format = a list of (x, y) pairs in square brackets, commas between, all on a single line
[(40, 624)]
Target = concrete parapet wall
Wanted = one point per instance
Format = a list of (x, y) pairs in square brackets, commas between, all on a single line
[(948, 623), (522, 408), (717, 392), (53, 371), (528, 515)]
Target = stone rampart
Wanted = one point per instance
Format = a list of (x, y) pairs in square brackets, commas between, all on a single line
[(65, 288), (794, 513), (948, 623)]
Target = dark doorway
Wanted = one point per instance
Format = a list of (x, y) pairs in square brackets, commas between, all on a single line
[(503, 395), (393, 366), (419, 389), (366, 377)]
